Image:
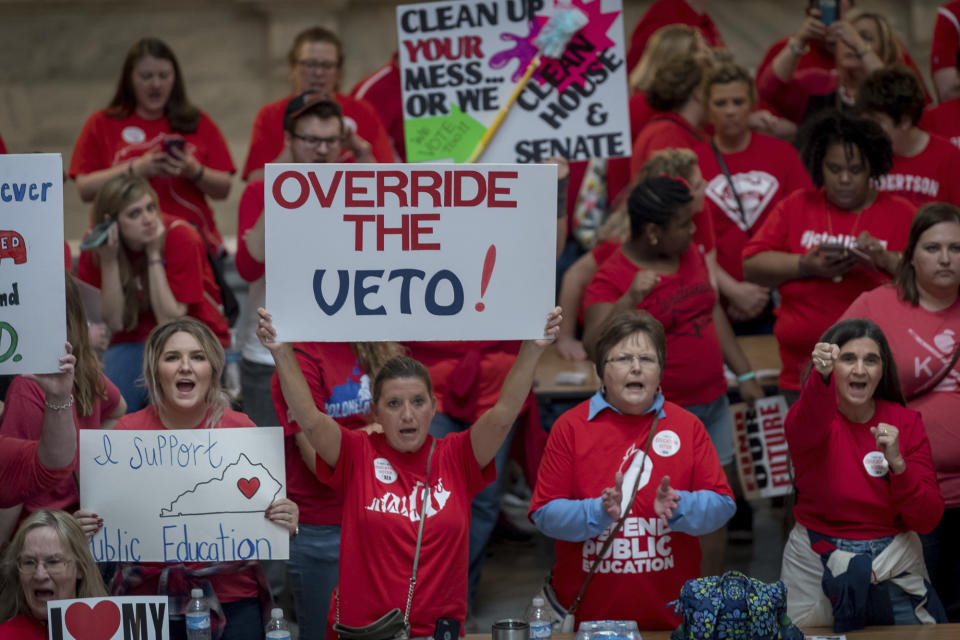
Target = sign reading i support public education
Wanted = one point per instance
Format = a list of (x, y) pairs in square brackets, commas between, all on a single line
[(33, 324), (460, 63), (361, 252), (760, 447), (191, 495), (118, 618)]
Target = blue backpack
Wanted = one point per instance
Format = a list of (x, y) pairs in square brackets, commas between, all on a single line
[(735, 607)]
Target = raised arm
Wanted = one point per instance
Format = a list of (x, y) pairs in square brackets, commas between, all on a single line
[(490, 430), (574, 283), (322, 431), (810, 418), (58, 441)]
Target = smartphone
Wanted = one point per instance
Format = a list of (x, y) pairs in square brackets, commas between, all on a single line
[(169, 144), (832, 249), (97, 235), (829, 12)]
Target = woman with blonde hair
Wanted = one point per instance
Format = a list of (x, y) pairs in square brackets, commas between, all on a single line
[(150, 269), (48, 559), (97, 405)]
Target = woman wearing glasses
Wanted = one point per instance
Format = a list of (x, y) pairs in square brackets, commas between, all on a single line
[(628, 436), (48, 559)]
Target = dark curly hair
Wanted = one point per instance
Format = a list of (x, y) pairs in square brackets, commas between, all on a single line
[(895, 91), (674, 83), (182, 115), (656, 201), (832, 127)]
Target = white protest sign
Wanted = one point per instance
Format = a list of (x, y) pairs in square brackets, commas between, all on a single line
[(461, 61), (410, 252), (191, 495), (760, 448), (119, 618), (33, 324)]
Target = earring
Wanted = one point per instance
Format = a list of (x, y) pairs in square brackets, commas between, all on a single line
[(603, 390), (654, 241)]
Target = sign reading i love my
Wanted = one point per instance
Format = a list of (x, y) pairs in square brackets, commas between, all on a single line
[(120, 618)]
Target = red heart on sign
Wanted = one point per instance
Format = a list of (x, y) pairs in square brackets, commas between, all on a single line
[(248, 487), (98, 623)]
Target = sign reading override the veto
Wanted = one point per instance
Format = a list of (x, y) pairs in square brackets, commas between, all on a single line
[(33, 325), (410, 252)]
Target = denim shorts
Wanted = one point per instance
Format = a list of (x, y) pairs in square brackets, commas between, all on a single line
[(715, 416)]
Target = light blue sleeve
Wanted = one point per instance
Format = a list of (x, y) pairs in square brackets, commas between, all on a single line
[(700, 512), (572, 520)]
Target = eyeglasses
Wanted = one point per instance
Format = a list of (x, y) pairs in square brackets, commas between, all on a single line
[(314, 141), (315, 65), (626, 360), (54, 566)]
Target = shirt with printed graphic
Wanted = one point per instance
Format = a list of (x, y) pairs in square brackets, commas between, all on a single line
[(647, 563), (803, 221), (929, 176), (383, 490), (922, 343), (341, 389), (763, 173)]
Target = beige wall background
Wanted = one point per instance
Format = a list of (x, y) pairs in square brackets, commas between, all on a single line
[(59, 60)]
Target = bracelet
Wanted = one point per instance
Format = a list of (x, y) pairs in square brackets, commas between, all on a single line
[(59, 407), (743, 377), (199, 175), (160, 261), (797, 49)]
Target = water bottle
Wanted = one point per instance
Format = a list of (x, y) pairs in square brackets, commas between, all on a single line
[(539, 619), (277, 628), (198, 617)]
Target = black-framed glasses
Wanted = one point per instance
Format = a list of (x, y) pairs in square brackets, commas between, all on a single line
[(54, 566), (317, 65), (314, 141)]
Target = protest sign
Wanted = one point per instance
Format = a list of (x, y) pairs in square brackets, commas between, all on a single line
[(760, 447), (193, 495), (410, 252), (119, 618), (33, 324), (460, 63)]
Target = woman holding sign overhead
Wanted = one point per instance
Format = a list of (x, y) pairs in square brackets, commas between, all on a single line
[(386, 509), (150, 268), (48, 559), (183, 365)]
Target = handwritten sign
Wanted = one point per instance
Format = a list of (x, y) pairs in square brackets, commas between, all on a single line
[(760, 448), (33, 324), (410, 252), (120, 618), (194, 495), (460, 63)]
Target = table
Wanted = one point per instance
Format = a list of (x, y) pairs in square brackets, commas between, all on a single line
[(910, 632)]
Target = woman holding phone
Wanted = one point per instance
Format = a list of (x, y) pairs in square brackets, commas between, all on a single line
[(151, 129)]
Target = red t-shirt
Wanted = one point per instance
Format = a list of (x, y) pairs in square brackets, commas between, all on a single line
[(106, 142), (844, 489), (808, 306), (922, 343), (648, 562), (382, 89), (943, 120), (929, 176), (382, 490), (249, 211), (766, 171), (22, 475), (23, 418), (791, 99), (266, 139), (664, 130), (946, 37), (190, 277), (229, 585), (683, 303), (23, 627), (662, 13), (341, 389), (640, 113)]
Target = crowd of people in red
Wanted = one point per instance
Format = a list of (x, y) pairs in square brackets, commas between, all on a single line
[(812, 199)]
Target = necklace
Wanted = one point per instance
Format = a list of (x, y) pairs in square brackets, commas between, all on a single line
[(853, 232)]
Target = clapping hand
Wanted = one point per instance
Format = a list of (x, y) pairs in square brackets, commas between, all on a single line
[(666, 502), (611, 497)]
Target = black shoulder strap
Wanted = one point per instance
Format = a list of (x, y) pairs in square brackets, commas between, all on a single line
[(733, 189)]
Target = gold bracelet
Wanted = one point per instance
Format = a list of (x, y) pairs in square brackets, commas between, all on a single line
[(59, 407)]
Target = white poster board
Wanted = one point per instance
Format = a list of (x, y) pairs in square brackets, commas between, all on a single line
[(33, 324), (459, 65), (119, 618), (194, 495), (760, 448), (410, 252)]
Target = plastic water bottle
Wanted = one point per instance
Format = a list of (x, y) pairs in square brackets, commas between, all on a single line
[(277, 628), (198, 617), (539, 619)]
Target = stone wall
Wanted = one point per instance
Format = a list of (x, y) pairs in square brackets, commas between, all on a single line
[(59, 60)]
